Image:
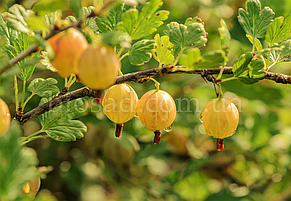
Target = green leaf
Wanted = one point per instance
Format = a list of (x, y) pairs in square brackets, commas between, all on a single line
[(3, 55), (279, 30), (241, 64), (58, 123), (117, 38), (26, 65), (283, 54), (247, 70), (17, 164), (16, 18), (140, 52), (107, 24), (258, 44), (44, 7), (224, 37), (44, 87), (193, 59), (66, 130), (162, 52), (254, 74), (37, 23), (184, 38), (139, 25), (254, 20), (6, 32)]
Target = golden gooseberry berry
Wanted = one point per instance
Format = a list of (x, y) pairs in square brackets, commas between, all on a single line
[(98, 67), (5, 118), (68, 46), (119, 105), (31, 188), (156, 110), (220, 118)]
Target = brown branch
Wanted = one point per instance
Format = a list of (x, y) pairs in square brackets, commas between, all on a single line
[(138, 77), (85, 91)]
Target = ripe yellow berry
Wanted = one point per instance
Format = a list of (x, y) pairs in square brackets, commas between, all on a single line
[(4, 118), (68, 46), (220, 118), (120, 103), (98, 67), (156, 110)]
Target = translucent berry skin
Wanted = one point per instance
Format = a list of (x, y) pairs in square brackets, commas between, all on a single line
[(120, 103), (68, 46), (5, 118), (156, 110), (220, 118), (98, 67)]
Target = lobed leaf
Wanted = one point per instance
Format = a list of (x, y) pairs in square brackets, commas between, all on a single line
[(107, 24), (44, 87), (224, 37), (254, 20), (140, 52), (26, 65), (7, 33), (66, 130), (162, 52), (139, 25), (184, 38), (279, 30), (16, 18), (248, 71), (58, 123), (240, 65), (283, 54)]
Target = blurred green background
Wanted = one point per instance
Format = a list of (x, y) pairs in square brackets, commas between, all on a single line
[(254, 166)]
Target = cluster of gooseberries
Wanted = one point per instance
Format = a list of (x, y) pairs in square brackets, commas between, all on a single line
[(97, 67), (156, 109)]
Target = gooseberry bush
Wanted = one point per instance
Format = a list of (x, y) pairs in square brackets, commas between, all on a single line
[(63, 56)]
